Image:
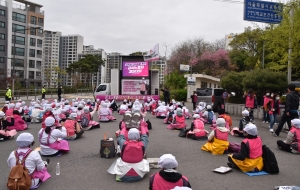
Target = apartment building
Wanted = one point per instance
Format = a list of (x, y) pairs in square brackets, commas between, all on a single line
[(70, 47), (21, 41), (51, 58), (113, 62), (101, 74), (161, 66)]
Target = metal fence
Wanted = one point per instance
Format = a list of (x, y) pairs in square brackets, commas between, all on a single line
[(84, 91), (36, 93)]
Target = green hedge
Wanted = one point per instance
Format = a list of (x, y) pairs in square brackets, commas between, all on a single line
[(236, 99), (178, 95)]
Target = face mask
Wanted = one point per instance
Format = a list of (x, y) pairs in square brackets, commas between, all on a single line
[(272, 95), (277, 98), (268, 94)]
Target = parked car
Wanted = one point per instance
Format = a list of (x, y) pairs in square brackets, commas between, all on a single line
[(212, 96)]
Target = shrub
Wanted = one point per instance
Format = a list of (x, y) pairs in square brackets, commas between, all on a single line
[(179, 95)]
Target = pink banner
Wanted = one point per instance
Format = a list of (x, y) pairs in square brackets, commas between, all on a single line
[(135, 69), (122, 97)]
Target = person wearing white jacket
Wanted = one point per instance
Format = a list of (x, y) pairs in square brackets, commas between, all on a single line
[(51, 141)]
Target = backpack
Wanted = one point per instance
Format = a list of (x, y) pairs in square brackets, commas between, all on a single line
[(84, 120), (210, 116), (270, 162), (19, 178), (149, 124)]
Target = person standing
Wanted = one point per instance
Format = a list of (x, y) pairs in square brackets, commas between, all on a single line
[(194, 98), (266, 100), (291, 109), (250, 101), (166, 95), (43, 92), (8, 94), (143, 86), (59, 93)]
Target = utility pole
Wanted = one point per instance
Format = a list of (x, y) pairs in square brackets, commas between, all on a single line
[(289, 70), (263, 55)]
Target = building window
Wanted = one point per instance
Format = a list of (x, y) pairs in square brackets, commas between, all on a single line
[(2, 36), (1, 59), (31, 53), (40, 31), (31, 74), (32, 41), (2, 48), (215, 85), (2, 24), (41, 20), (31, 64), (32, 31), (19, 40), (39, 52), (19, 17), (18, 28), (38, 64), (33, 20), (39, 42), (2, 12), (18, 63), (19, 51)]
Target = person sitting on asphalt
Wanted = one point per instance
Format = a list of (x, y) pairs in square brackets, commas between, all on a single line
[(161, 111), (170, 116), (37, 114), (227, 118), (243, 122), (168, 178), (33, 162), (19, 123), (197, 130), (200, 109), (208, 115), (292, 141), (178, 121), (131, 166), (86, 119), (186, 112), (6, 134), (105, 113), (217, 139), (123, 108), (50, 139), (73, 128), (249, 159)]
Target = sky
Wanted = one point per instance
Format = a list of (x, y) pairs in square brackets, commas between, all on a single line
[(127, 26)]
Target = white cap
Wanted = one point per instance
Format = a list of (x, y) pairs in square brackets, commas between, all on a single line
[(24, 140), (167, 161), (49, 121), (2, 114), (245, 112), (196, 116), (221, 122), (296, 123), (251, 129), (209, 107)]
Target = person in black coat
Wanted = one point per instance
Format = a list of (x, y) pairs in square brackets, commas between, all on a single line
[(166, 95), (59, 93)]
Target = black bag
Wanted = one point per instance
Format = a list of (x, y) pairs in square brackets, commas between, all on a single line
[(270, 162), (107, 148), (149, 124), (183, 132)]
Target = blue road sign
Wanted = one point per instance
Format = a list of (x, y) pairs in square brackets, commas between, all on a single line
[(263, 11)]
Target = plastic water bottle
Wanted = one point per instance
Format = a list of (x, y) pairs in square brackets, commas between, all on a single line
[(57, 169)]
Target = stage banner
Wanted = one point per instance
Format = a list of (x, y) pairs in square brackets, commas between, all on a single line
[(153, 54), (132, 86), (135, 69)]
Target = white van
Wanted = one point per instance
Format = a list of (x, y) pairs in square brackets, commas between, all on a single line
[(103, 89)]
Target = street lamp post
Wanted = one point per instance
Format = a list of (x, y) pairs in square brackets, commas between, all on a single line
[(14, 58)]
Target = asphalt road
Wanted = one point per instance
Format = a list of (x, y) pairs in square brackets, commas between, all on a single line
[(82, 167)]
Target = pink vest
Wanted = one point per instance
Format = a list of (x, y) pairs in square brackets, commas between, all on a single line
[(296, 139), (249, 102), (160, 183), (180, 119), (255, 147), (70, 127), (221, 135), (132, 152), (199, 130)]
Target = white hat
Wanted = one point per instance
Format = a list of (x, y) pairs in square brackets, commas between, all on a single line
[(209, 107), (75, 104), (49, 121), (167, 161), (201, 103), (179, 111), (251, 129), (245, 113), (80, 105), (86, 109), (36, 105), (196, 116), (134, 134), (73, 116), (2, 114), (296, 123), (181, 188), (24, 140), (221, 122)]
